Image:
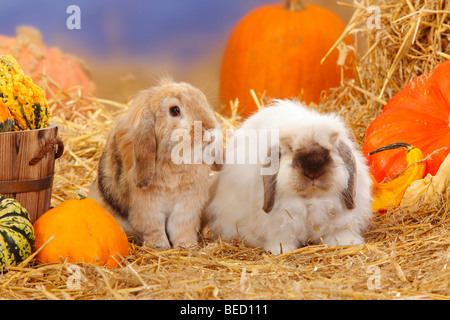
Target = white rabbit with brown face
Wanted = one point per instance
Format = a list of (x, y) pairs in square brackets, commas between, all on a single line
[(320, 192), (157, 201)]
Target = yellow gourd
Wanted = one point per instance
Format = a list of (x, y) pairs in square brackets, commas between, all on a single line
[(389, 194), (25, 100), (430, 188)]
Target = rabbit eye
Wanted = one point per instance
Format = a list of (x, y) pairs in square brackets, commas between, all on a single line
[(291, 150), (175, 111)]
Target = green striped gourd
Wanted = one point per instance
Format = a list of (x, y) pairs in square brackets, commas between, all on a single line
[(16, 233)]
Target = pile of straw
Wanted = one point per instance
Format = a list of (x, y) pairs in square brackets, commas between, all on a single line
[(396, 41), (407, 251)]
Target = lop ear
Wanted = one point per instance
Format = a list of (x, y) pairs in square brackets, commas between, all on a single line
[(270, 184), (144, 152), (137, 136), (270, 178), (216, 166), (348, 194)]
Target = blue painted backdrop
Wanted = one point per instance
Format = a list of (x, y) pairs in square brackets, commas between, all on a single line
[(127, 44), (183, 29)]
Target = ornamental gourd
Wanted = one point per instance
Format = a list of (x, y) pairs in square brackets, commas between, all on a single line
[(277, 50), (83, 232), (390, 194), (25, 100), (16, 233), (430, 189), (419, 115)]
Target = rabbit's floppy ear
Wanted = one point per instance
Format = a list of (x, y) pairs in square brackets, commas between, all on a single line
[(144, 152), (269, 178), (348, 194), (270, 184), (143, 139)]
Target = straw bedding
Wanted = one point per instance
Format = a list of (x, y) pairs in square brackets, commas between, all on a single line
[(407, 250)]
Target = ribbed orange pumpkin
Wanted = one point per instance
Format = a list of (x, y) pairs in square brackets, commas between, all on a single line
[(35, 59), (419, 115), (277, 50), (83, 232)]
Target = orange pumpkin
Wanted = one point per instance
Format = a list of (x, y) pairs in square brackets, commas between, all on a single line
[(419, 115), (83, 232), (35, 59), (277, 50)]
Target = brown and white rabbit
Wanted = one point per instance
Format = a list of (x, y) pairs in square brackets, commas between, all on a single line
[(157, 200), (320, 191)]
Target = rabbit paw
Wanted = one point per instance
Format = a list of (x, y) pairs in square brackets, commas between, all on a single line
[(158, 242), (343, 237)]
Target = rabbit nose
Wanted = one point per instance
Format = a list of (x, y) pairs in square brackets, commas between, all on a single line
[(313, 161), (313, 174)]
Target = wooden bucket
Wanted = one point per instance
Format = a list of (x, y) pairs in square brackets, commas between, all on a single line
[(27, 162)]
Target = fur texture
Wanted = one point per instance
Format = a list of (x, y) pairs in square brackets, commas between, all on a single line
[(320, 193), (157, 202)]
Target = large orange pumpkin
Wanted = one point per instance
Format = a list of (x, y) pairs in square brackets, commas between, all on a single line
[(277, 50), (419, 115), (35, 58), (83, 232)]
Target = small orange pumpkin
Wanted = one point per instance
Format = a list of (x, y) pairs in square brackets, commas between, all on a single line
[(83, 232)]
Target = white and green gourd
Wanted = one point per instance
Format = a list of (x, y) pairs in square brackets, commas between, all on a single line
[(16, 233)]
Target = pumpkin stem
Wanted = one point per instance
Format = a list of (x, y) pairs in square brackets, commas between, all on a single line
[(391, 146), (294, 5)]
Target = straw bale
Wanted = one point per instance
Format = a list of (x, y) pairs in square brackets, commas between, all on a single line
[(407, 250)]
